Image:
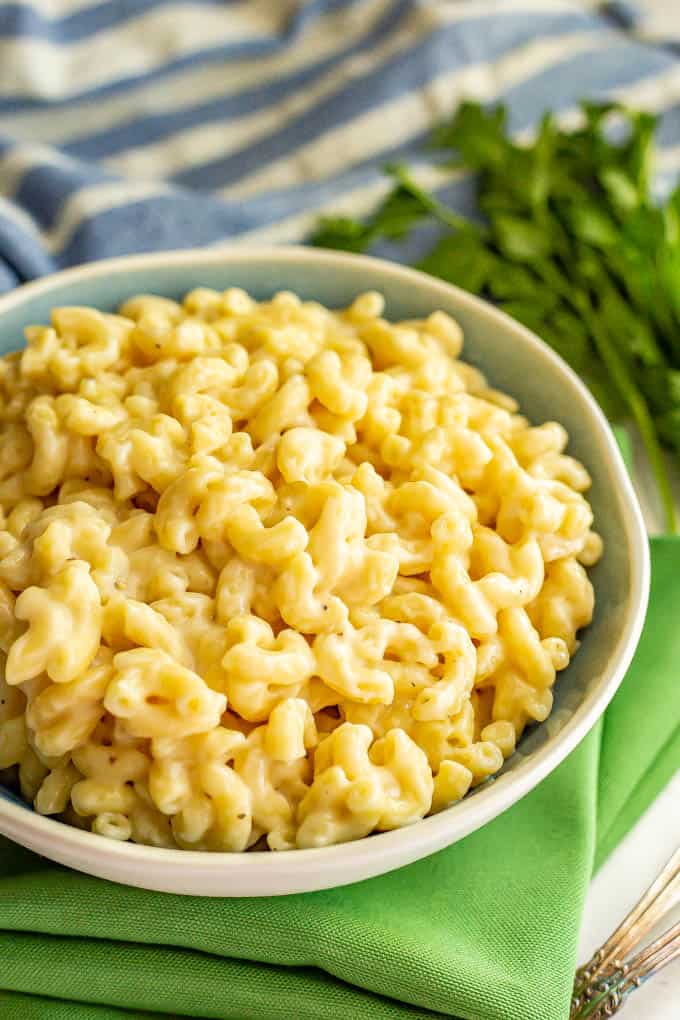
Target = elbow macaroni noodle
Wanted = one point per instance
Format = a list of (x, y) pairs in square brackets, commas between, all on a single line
[(272, 574)]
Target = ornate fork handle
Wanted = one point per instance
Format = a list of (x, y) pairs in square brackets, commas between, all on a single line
[(602, 984), (607, 994)]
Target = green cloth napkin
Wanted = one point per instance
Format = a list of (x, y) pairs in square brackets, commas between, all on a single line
[(485, 929)]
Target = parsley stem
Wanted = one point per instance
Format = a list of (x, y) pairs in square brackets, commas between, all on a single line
[(437, 208), (625, 384), (637, 405)]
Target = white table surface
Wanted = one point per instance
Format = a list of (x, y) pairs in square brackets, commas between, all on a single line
[(617, 887), (637, 860)]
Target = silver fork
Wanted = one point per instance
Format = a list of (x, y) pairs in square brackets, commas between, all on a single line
[(603, 984)]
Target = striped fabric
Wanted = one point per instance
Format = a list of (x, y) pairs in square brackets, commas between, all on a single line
[(139, 125)]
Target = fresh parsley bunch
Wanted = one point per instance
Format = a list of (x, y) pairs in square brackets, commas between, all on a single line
[(571, 244)]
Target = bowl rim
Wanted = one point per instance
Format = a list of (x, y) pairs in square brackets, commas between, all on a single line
[(295, 869)]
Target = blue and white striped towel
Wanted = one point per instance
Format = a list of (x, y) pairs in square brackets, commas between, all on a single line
[(138, 125)]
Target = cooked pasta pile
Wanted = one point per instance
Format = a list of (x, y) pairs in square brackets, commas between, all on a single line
[(273, 574)]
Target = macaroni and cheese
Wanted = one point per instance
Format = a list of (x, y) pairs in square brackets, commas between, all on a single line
[(273, 575)]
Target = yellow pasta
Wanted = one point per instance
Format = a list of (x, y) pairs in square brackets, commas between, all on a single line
[(273, 574)]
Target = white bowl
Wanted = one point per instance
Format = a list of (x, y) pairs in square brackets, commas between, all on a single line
[(516, 361)]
